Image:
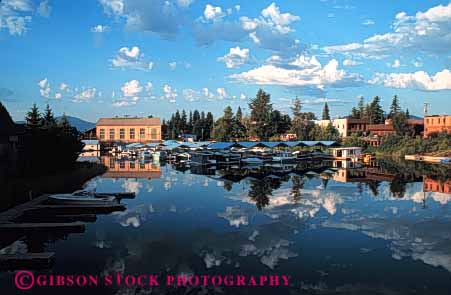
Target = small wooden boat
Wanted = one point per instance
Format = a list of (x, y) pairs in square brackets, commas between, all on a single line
[(252, 161), (121, 195), (69, 199)]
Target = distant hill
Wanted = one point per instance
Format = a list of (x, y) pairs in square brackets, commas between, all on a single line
[(415, 117), (78, 123)]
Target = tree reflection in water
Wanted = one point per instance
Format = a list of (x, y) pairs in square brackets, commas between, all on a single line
[(259, 190), (298, 184)]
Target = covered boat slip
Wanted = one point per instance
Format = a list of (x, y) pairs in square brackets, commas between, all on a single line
[(256, 153)]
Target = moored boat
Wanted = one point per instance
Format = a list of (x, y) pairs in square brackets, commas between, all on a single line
[(69, 199)]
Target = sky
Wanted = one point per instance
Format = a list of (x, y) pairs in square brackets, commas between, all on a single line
[(103, 58)]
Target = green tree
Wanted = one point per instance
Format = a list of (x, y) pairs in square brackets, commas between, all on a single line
[(375, 111), (300, 124), (33, 118), (48, 119), (326, 114), (224, 126), (261, 109), (394, 107), (361, 108)]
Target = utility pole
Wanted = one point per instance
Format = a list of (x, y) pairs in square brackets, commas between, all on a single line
[(426, 108)]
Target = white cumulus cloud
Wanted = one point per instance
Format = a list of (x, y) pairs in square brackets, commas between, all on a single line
[(131, 58), (235, 57), (419, 80), (213, 12), (169, 93), (100, 29), (44, 88), (428, 32), (301, 72), (85, 95)]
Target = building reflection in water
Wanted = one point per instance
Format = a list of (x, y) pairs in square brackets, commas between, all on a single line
[(131, 168), (437, 186)]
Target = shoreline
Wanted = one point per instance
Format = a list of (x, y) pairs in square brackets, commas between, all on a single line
[(21, 190)]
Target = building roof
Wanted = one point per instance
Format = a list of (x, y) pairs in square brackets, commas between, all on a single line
[(90, 142), (129, 122)]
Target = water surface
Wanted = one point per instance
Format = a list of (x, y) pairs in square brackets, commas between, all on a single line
[(376, 230)]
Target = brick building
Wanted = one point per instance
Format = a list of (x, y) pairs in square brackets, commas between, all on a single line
[(437, 124), (128, 130)]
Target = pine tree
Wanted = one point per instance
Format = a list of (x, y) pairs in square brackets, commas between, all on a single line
[(223, 129), (209, 122), (48, 120), (394, 108), (300, 124), (239, 114), (407, 114), (238, 128), (361, 108), (376, 114), (326, 114), (33, 118), (261, 109), (64, 124)]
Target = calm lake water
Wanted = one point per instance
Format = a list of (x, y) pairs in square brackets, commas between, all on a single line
[(377, 230)]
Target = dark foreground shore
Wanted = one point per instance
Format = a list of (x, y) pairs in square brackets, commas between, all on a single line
[(19, 190)]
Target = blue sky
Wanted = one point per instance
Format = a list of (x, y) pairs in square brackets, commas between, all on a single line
[(139, 57)]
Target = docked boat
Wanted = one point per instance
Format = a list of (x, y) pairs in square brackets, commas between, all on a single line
[(121, 195), (252, 161), (70, 199), (284, 156), (145, 155)]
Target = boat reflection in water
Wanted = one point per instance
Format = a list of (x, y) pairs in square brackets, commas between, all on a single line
[(379, 229)]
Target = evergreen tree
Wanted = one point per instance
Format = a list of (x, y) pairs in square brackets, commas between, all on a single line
[(33, 118), (189, 127), (361, 108), (300, 123), (407, 114), (6, 122), (48, 120), (209, 122), (261, 110), (326, 115), (239, 114), (355, 113), (183, 122), (64, 122), (238, 128), (223, 129), (375, 112), (394, 108)]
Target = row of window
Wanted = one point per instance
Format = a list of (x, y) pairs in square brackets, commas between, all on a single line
[(439, 120), (142, 133)]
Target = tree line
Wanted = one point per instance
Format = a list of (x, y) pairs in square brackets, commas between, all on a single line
[(197, 123), (263, 123), (46, 145), (374, 114)]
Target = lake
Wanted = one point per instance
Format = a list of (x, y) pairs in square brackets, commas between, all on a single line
[(384, 229)]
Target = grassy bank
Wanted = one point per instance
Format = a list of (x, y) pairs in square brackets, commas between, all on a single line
[(396, 145), (18, 190)]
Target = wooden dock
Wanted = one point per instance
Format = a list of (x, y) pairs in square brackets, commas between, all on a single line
[(26, 261), (21, 227), (96, 209), (10, 215)]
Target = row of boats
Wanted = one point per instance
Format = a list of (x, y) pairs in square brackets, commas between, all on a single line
[(206, 157)]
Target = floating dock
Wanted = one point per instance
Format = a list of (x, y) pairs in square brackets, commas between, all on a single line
[(27, 261), (20, 227)]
